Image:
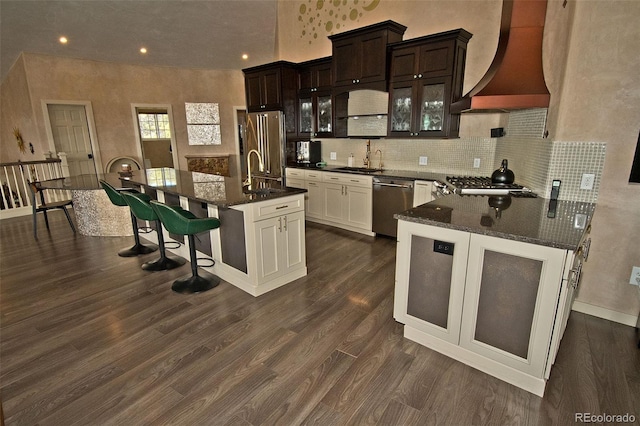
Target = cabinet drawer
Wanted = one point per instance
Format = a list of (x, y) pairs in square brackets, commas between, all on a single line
[(347, 179), (295, 183), (296, 173), (313, 175), (278, 207)]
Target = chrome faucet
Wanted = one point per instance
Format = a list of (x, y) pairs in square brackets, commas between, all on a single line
[(260, 167), (380, 162), (367, 157)]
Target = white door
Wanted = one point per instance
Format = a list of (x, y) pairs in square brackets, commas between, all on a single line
[(70, 131)]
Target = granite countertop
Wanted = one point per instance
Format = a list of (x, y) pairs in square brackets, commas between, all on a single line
[(400, 174), (520, 218), (213, 189)]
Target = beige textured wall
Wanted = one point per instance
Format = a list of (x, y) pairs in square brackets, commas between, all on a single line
[(112, 88), (16, 111), (601, 102)]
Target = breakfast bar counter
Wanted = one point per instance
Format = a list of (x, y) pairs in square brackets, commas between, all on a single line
[(260, 244)]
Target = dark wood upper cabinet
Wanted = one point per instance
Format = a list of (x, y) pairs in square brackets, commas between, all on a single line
[(269, 87), (273, 87), (315, 100), (315, 75), (360, 57), (426, 77)]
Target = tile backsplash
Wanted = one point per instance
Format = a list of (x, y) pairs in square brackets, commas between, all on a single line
[(535, 160)]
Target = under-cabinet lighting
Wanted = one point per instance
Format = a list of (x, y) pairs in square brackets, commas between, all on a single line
[(63, 40)]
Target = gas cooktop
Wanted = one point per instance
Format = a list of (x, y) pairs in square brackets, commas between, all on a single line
[(482, 185)]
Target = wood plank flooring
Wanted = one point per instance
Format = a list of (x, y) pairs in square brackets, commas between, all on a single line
[(88, 338)]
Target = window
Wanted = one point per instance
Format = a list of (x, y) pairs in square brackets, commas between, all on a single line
[(154, 125)]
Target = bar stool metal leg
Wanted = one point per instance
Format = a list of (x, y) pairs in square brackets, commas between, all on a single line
[(195, 283)]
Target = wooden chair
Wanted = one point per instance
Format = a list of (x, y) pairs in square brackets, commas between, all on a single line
[(37, 192)]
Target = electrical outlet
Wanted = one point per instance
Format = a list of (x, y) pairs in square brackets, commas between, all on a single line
[(476, 163), (635, 276), (587, 181), (423, 161), (333, 156)]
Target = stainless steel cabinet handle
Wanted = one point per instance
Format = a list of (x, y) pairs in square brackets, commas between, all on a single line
[(285, 223), (282, 207), (394, 185), (279, 224)]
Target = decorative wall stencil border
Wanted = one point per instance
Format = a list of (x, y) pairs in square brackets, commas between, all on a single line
[(319, 18)]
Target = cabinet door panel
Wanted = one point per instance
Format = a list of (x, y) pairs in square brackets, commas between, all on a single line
[(294, 245), (315, 203), (333, 194), (373, 66), (507, 326), (267, 232), (403, 64), (346, 63), (272, 88), (430, 284), (358, 205), (510, 301), (254, 94), (436, 59), (305, 114), (402, 109), (324, 115)]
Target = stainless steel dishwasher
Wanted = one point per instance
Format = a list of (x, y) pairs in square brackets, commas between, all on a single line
[(390, 196)]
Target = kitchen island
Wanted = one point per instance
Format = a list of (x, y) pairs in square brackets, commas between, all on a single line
[(489, 281), (260, 244)]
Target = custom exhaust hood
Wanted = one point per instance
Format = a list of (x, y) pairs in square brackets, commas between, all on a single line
[(515, 79)]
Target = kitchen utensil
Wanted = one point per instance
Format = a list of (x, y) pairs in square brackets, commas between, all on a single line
[(503, 175)]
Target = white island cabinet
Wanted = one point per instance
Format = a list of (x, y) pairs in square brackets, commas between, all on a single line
[(489, 302)]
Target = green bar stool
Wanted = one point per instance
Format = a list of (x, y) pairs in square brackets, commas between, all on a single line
[(179, 221), (117, 200), (139, 204)]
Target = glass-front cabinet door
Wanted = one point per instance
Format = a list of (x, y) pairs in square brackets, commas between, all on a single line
[(420, 108), (315, 116), (324, 115), (432, 107), (401, 109), (306, 116)]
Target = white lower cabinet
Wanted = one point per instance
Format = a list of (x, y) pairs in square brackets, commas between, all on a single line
[(315, 199), (337, 199), (422, 192), (489, 302), (279, 245)]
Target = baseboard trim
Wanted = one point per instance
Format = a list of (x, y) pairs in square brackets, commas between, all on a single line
[(604, 313)]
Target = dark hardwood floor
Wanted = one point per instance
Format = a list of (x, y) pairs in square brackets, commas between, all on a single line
[(88, 338)]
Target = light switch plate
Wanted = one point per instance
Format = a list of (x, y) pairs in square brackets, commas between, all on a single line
[(423, 161), (635, 276), (476, 163), (333, 156), (587, 181)]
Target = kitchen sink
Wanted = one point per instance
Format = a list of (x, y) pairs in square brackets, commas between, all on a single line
[(357, 170)]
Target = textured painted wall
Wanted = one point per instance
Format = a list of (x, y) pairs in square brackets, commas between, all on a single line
[(112, 88)]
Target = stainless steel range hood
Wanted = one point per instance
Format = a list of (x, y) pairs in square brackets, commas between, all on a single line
[(515, 79)]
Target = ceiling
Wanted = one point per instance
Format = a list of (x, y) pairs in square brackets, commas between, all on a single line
[(182, 33)]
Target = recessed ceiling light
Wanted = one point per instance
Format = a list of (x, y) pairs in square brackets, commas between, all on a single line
[(63, 40), (143, 50), (245, 56)]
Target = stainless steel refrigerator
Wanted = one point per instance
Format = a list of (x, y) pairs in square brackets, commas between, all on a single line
[(265, 133)]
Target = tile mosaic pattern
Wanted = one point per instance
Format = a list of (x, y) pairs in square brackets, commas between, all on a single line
[(536, 161)]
